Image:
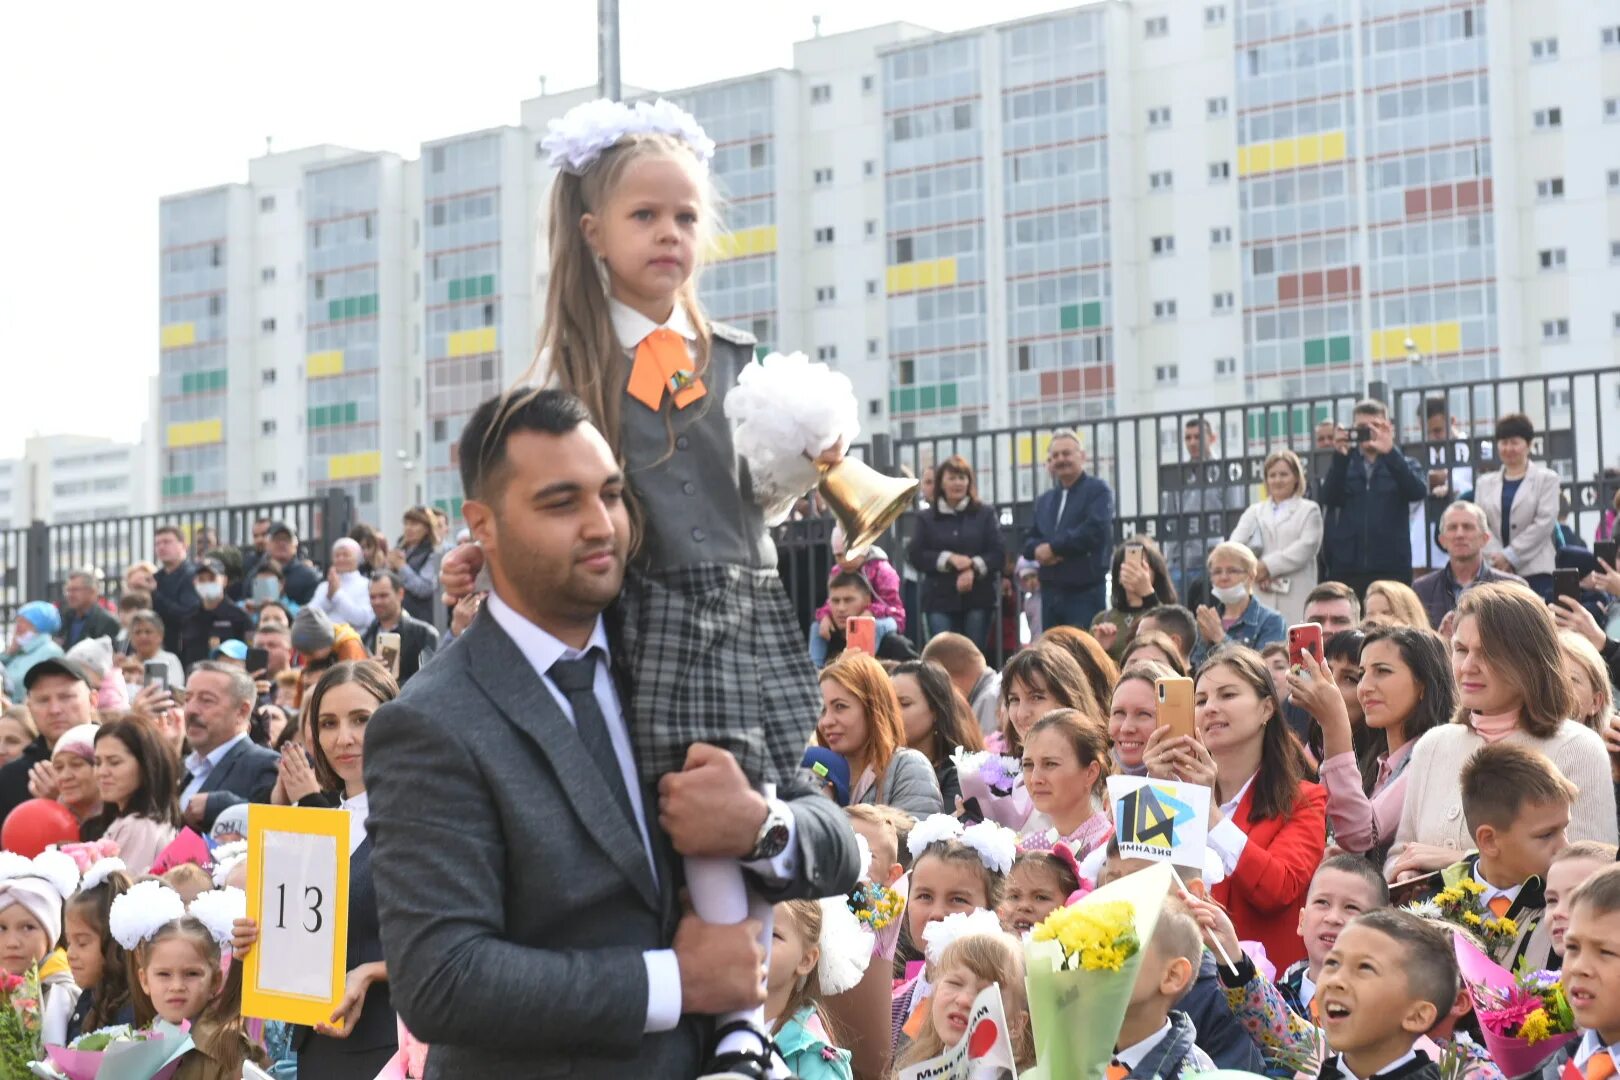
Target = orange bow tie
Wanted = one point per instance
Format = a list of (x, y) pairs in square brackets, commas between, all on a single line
[(663, 365), (1499, 906)]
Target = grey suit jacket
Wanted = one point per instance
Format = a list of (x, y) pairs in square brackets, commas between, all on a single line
[(515, 898), (246, 774)]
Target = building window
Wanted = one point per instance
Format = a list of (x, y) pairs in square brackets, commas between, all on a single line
[(267, 478), (1551, 188), (869, 167), (1220, 236), (1161, 181), (874, 407), (1551, 258), (318, 284), (267, 326), (436, 159), (826, 294), (268, 376), (871, 287), (1166, 373), (1225, 365), (756, 155), (903, 250), (267, 204), (821, 93), (873, 346), (826, 352), (1611, 37), (1217, 106), (1158, 26), (1220, 171), (824, 235), (1214, 14), (440, 430), (1555, 330), (1614, 179), (867, 83), (1617, 330), (823, 177), (1222, 302), (1159, 116), (1614, 251), (1163, 245), (1164, 310), (215, 304), (267, 274), (1549, 118), (871, 228), (1611, 110), (962, 117), (1544, 49), (267, 427)]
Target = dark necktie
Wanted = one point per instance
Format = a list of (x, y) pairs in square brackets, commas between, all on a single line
[(577, 680)]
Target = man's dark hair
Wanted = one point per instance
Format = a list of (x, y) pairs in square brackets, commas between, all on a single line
[(172, 530), (1178, 622), (269, 568), (1358, 866), (1515, 425), (1436, 406), (850, 579), (483, 440), (395, 582), (1200, 423)]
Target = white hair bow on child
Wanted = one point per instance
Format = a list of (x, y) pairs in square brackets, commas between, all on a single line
[(996, 845), (578, 137), (939, 936), (141, 911)]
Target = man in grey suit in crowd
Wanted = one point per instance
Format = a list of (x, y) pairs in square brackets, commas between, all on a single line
[(527, 892)]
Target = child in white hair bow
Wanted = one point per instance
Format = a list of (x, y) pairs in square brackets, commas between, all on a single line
[(98, 962), (31, 895), (819, 949)]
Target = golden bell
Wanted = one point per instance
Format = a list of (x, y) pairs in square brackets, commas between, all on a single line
[(864, 501)]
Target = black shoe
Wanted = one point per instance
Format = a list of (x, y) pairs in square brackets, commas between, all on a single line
[(743, 1064)]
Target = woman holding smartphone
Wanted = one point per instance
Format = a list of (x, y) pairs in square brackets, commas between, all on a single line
[(1141, 582)]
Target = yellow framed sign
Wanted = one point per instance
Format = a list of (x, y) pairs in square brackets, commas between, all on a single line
[(298, 893)]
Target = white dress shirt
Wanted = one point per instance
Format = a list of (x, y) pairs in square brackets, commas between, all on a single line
[(542, 650), (1132, 1056), (1226, 838), (1343, 1070), (1492, 892), (1590, 1046), (199, 766), (359, 809), (1307, 989), (632, 327)]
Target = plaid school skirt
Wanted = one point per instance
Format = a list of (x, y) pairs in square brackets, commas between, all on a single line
[(715, 655)]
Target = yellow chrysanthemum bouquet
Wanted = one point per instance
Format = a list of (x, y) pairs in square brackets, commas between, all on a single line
[(1081, 965)]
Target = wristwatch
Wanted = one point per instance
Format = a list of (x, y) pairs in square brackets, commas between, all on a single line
[(773, 833)]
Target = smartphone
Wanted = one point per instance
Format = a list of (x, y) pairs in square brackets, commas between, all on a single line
[(257, 660), (1135, 552), (388, 651), (1567, 583), (156, 673), (1606, 551), (860, 633), (1176, 705), (1304, 638)]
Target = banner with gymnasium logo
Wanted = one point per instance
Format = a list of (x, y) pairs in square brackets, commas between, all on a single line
[(1161, 820)]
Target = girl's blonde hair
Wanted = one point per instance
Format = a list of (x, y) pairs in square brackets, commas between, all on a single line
[(991, 958), (805, 915), (584, 353), (1404, 606), (1590, 661)]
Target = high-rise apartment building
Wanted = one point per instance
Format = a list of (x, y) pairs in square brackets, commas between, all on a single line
[(70, 479), (1113, 208)]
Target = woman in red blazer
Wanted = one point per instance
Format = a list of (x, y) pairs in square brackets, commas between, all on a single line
[(1267, 823)]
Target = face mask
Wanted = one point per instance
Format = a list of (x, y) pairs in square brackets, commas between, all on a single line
[(210, 590), (1230, 594), (21, 639)]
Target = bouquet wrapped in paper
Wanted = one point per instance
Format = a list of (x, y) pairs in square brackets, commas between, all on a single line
[(1525, 1019), (1081, 964), (21, 1024), (786, 411), (997, 781), (118, 1053), (878, 907)]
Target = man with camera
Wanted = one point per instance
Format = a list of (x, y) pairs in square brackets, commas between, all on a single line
[(1371, 484)]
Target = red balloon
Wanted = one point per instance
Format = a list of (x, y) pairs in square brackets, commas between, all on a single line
[(37, 824)]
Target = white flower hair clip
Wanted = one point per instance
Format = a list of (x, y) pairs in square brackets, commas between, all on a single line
[(227, 857), (939, 936), (846, 947), (142, 911), (996, 845), (218, 910), (576, 139), (931, 830), (100, 871), (863, 851)]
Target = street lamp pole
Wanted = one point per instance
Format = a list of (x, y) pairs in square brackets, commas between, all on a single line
[(607, 48)]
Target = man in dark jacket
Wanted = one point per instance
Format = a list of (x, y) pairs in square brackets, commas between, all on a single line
[(1372, 487), (216, 618), (1072, 537), (83, 617), (299, 576), (173, 598), (417, 639), (1464, 532)]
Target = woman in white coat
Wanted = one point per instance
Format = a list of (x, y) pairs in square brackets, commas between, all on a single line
[(345, 595), (1285, 531), (1520, 501)]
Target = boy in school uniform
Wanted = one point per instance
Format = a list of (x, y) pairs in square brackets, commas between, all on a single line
[(1516, 804), (1343, 887), (1591, 982), (1569, 870), (1156, 1039), (1389, 978)]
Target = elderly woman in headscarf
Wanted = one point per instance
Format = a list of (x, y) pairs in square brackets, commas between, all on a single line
[(345, 595)]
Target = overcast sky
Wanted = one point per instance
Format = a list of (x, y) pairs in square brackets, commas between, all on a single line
[(105, 107)]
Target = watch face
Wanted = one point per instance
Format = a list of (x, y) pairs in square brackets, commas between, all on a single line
[(774, 841)]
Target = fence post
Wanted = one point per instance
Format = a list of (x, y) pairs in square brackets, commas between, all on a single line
[(37, 561), (1378, 390), (882, 453), (337, 518)]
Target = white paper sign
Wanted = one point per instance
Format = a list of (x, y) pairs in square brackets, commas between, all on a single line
[(298, 928), (1161, 820), (983, 1053)]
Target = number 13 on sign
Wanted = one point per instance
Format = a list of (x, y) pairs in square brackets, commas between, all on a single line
[(298, 893)]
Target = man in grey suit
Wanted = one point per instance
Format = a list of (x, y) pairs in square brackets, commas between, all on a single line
[(527, 893)]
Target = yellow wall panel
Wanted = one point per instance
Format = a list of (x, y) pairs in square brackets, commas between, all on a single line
[(908, 277), (178, 334), (760, 240), (1319, 149), (472, 342), (1429, 338), (1308, 149), (195, 433), (1027, 447), (1332, 146), (351, 466), (322, 364), (1283, 154)]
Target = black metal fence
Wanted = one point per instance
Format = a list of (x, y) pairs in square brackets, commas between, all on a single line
[(1185, 477), (35, 561)]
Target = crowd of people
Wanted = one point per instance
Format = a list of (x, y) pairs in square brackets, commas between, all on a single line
[(608, 817)]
